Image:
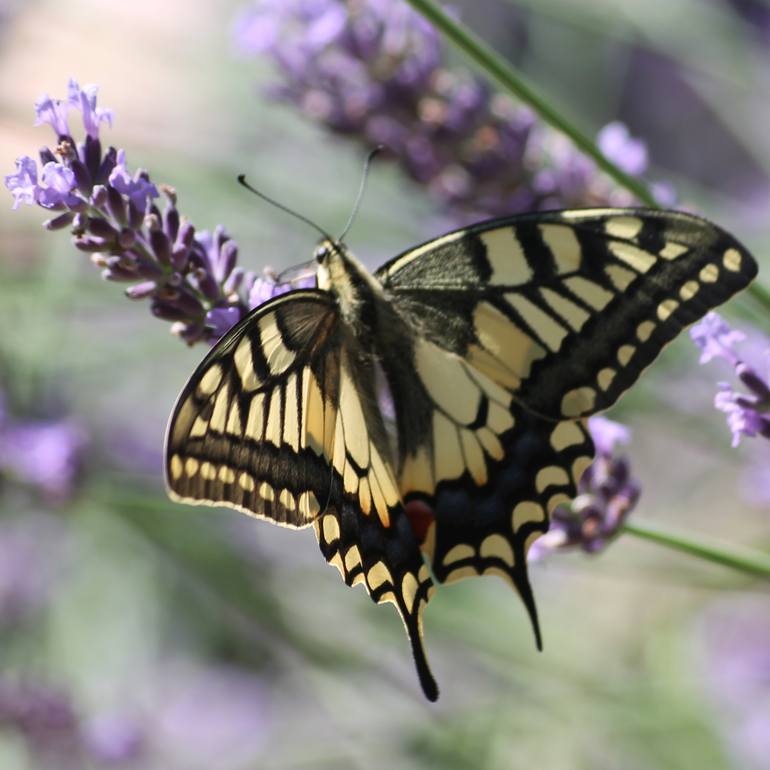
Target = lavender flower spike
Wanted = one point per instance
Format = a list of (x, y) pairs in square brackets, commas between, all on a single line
[(606, 495), (748, 414), (374, 71), (190, 278)]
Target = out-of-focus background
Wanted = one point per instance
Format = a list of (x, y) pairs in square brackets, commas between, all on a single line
[(137, 633)]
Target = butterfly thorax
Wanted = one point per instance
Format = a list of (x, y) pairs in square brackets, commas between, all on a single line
[(357, 292)]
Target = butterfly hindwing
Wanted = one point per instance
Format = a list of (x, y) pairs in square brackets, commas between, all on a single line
[(278, 421), (478, 472)]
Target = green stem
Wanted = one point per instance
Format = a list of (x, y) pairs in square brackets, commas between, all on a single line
[(743, 559), (487, 58)]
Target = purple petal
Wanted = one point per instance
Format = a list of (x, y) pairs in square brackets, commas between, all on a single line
[(57, 183), (54, 113), (715, 338), (608, 434), (43, 454), (617, 144), (84, 99), (23, 184)]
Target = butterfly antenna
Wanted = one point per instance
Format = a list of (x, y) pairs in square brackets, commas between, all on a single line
[(368, 162), (242, 181)]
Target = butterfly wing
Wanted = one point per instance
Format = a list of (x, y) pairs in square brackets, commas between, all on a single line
[(566, 309), (278, 421), (521, 328)]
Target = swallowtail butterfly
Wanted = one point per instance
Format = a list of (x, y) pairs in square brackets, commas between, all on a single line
[(435, 411)]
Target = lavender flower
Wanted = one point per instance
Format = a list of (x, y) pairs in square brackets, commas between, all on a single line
[(606, 495), (190, 278), (374, 70), (748, 414)]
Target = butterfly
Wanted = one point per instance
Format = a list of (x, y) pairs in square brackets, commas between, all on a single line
[(426, 418)]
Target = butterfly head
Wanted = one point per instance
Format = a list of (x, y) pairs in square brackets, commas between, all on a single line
[(333, 261)]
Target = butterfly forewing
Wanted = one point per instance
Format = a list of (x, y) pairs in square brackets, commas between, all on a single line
[(248, 431), (565, 309)]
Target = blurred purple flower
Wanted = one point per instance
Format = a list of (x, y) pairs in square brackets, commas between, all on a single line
[(374, 70), (735, 642), (46, 720), (113, 739), (606, 495), (622, 149), (210, 713), (748, 414), (45, 454), (56, 736), (32, 550), (190, 278)]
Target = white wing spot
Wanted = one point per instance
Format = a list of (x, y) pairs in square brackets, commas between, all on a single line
[(732, 260), (578, 401), (666, 308), (644, 330), (625, 354), (623, 227), (550, 476), (709, 274), (605, 377), (497, 547), (590, 292), (564, 246), (210, 380), (566, 434)]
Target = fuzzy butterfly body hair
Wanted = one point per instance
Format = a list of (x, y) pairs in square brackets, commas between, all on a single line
[(496, 342)]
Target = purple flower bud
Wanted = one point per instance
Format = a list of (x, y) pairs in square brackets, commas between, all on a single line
[(91, 152), (98, 196), (101, 228), (234, 281), (107, 165), (171, 222), (141, 290), (160, 246), (46, 156), (126, 238), (222, 319), (82, 177), (167, 311), (116, 205), (59, 222), (90, 244)]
